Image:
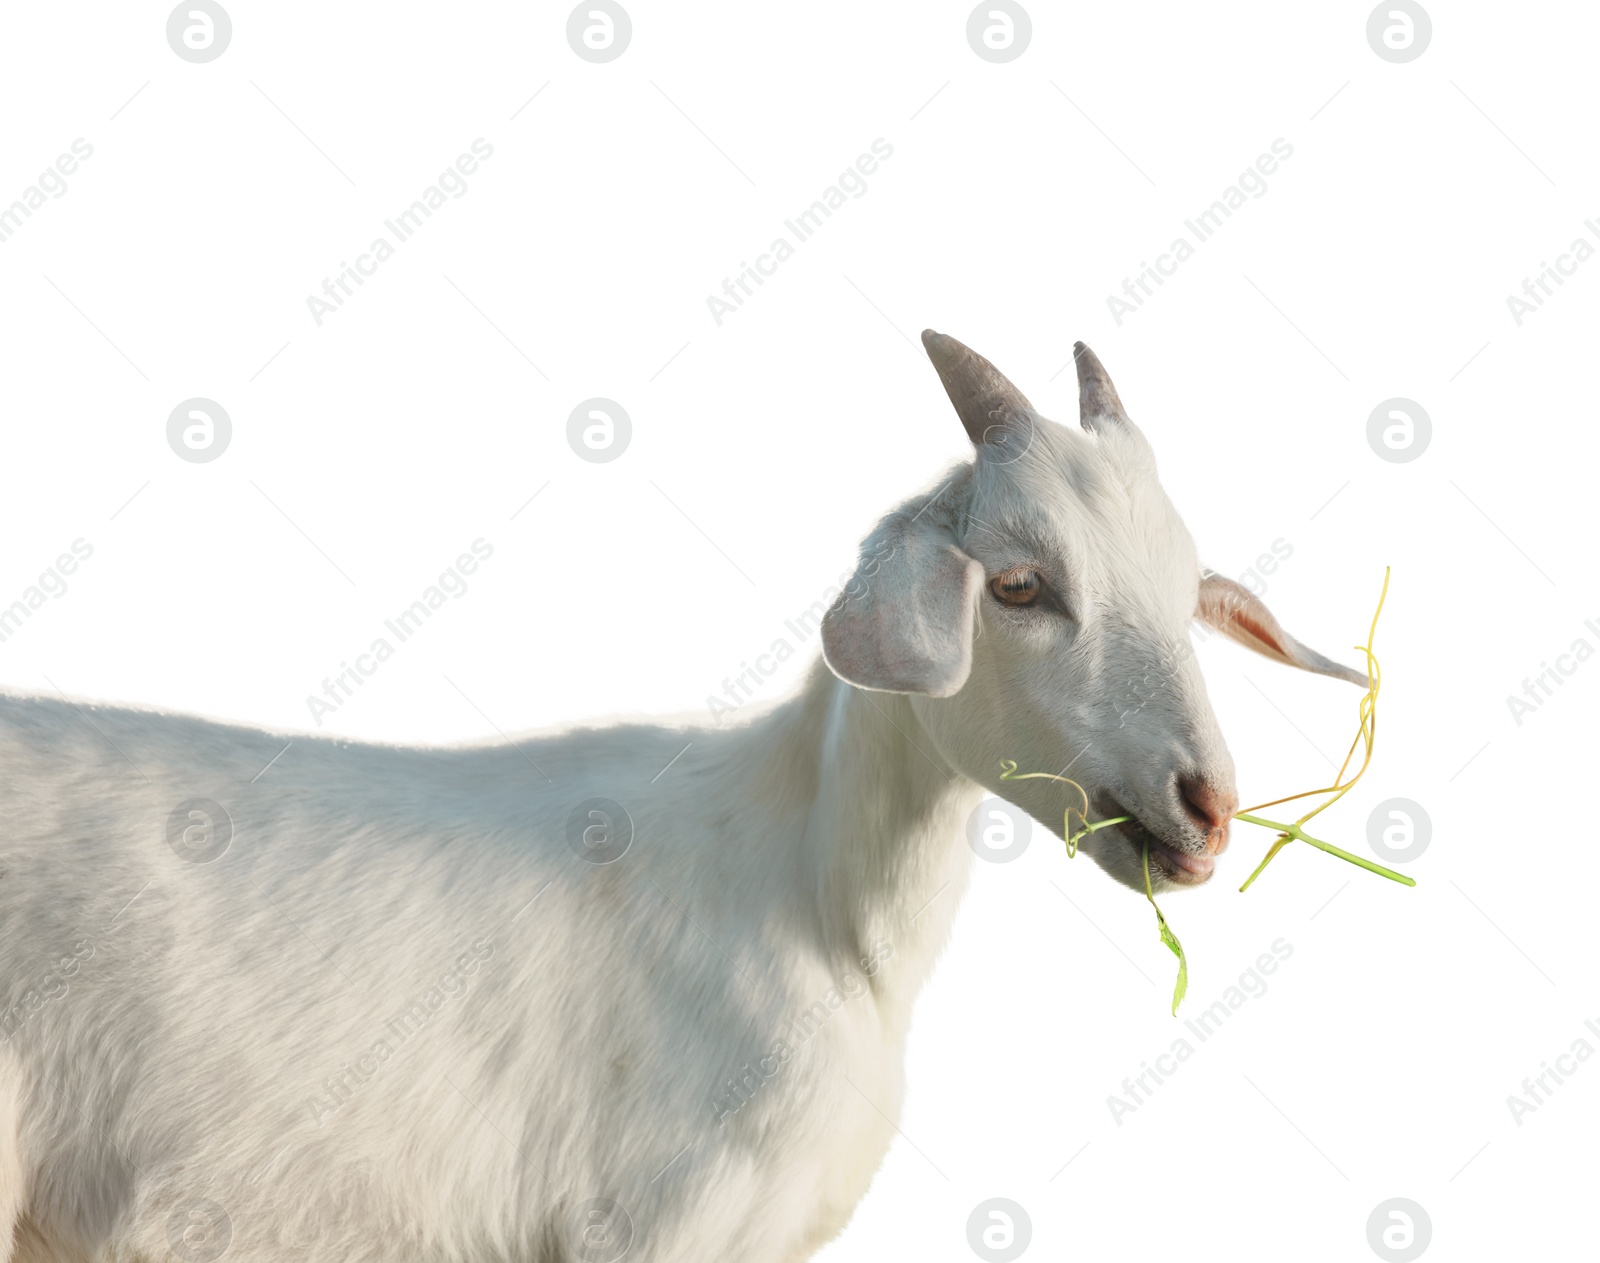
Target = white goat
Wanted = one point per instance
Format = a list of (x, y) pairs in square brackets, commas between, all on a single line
[(427, 1004)]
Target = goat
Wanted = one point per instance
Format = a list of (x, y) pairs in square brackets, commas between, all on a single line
[(539, 1003)]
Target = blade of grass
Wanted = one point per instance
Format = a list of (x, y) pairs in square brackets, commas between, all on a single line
[(1008, 772), (1181, 987), (1366, 736), (1294, 833)]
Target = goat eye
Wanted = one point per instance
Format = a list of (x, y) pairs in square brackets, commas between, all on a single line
[(1021, 586)]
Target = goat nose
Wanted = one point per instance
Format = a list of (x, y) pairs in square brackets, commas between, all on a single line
[(1210, 807)]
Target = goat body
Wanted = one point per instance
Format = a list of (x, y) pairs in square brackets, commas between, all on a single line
[(633, 990), (405, 1015)]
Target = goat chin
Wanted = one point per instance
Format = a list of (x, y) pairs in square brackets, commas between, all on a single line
[(1121, 859)]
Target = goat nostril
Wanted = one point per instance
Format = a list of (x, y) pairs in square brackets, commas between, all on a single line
[(1211, 807)]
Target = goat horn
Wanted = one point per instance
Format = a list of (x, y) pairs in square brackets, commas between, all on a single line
[(982, 396), (1097, 397)]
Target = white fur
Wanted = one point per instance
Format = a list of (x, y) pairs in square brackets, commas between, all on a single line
[(587, 1050), (180, 1030)]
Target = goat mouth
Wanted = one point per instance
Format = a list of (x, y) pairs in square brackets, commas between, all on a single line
[(1181, 867)]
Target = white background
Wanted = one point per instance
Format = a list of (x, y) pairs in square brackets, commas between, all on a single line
[(370, 451)]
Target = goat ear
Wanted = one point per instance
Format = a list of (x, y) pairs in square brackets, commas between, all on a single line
[(904, 624), (1240, 615)]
